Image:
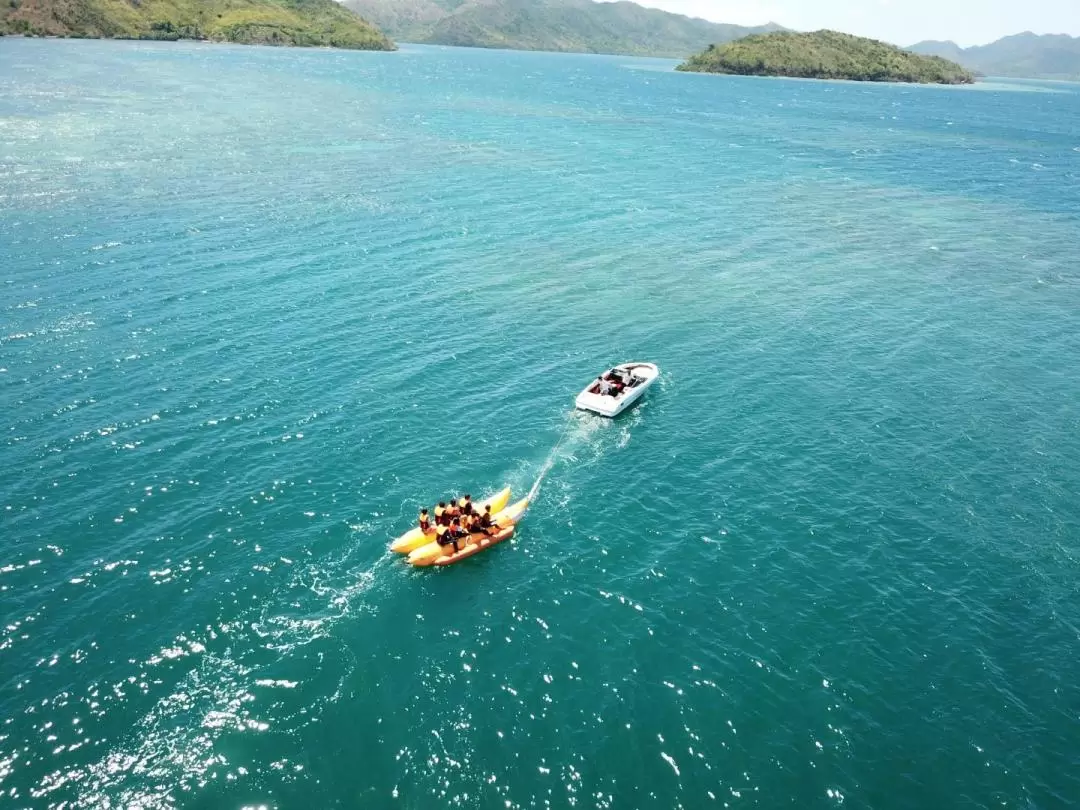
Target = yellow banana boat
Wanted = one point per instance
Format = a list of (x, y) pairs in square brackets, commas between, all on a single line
[(434, 554), (414, 538)]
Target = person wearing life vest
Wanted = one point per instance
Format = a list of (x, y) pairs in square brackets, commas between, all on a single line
[(440, 514), (425, 521), (456, 533), (484, 522), (466, 505), (452, 511), (442, 535)]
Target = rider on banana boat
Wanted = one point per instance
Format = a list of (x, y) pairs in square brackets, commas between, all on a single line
[(484, 522), (447, 535), (457, 532)]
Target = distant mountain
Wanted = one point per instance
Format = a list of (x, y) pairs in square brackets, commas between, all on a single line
[(825, 55), (549, 25), (266, 22), (1027, 55), (946, 49)]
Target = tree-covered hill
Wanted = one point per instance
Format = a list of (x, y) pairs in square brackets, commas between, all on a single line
[(825, 55), (548, 25), (270, 22)]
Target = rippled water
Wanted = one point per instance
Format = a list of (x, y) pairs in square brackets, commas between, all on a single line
[(258, 304)]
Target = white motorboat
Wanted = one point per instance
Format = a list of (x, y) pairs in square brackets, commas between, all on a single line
[(617, 388)]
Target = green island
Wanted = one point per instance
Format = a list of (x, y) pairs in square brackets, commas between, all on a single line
[(252, 22), (825, 55)]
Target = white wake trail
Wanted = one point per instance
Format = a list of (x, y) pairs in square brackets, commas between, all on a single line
[(578, 428)]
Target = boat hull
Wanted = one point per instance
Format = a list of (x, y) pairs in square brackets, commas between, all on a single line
[(476, 547)]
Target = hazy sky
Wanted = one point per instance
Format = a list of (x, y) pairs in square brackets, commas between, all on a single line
[(904, 22)]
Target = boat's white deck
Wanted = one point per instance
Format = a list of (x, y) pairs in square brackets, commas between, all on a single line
[(608, 405)]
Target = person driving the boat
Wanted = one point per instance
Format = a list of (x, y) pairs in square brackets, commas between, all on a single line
[(606, 387), (425, 521)]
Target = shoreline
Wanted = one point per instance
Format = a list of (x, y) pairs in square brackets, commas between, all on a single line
[(205, 40)]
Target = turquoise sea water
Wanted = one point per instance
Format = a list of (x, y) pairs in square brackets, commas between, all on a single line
[(258, 305)]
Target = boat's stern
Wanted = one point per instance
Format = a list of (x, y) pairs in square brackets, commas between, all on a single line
[(598, 403)]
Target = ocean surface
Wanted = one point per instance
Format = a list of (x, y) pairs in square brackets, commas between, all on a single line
[(257, 306)]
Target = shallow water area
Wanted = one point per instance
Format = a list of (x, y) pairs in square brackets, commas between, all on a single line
[(258, 305)]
